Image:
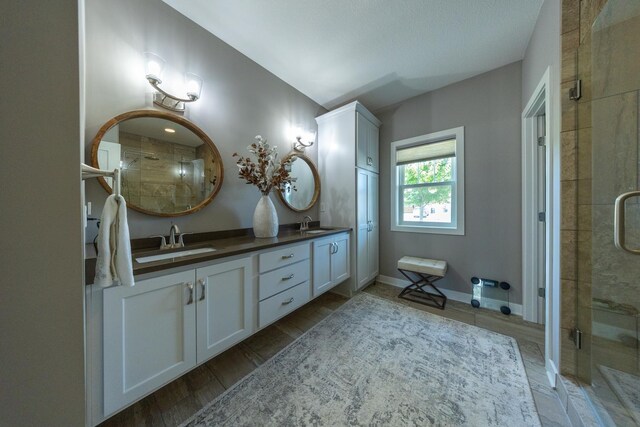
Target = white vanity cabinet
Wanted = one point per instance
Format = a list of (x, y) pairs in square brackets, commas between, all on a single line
[(348, 166), (162, 327), (149, 336), (224, 295), (284, 283), (367, 143), (330, 262), (142, 337)]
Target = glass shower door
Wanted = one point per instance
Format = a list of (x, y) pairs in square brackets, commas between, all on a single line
[(609, 362)]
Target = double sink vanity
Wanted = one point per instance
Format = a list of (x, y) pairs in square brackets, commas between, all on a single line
[(192, 303), (202, 293)]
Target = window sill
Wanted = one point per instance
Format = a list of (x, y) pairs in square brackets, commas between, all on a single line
[(455, 231)]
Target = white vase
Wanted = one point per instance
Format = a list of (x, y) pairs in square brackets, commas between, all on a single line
[(265, 218)]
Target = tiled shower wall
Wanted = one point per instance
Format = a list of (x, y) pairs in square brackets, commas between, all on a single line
[(576, 195)]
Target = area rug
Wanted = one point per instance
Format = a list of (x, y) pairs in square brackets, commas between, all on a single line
[(627, 387), (376, 362)]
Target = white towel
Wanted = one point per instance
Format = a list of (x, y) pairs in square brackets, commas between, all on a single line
[(114, 248)]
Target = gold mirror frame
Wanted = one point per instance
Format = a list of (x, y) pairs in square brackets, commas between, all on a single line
[(175, 119), (316, 182)]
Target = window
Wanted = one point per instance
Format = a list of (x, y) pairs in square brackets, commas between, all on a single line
[(427, 183)]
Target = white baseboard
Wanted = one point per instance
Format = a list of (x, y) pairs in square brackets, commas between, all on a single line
[(454, 295), (552, 374)]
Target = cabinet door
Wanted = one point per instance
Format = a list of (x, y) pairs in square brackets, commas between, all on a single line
[(224, 299), (362, 142), (322, 265), (374, 230), (362, 232), (340, 268), (367, 156), (149, 336), (373, 148)]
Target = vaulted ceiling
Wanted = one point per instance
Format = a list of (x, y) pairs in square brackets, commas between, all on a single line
[(378, 51)]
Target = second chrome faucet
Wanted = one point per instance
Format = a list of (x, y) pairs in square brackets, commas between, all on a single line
[(304, 225), (173, 232)]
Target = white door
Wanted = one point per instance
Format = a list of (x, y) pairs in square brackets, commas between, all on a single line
[(322, 265), (373, 235), (224, 299), (363, 226), (149, 336), (340, 268)]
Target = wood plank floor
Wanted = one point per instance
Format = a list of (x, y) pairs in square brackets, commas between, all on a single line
[(175, 402)]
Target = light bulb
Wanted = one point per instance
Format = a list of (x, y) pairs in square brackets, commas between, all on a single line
[(154, 66), (194, 85)]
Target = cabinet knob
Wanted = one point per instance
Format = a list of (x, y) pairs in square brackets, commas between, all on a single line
[(289, 277), (289, 301), (287, 256)]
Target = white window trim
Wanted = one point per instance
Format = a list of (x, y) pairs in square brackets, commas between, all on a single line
[(458, 134)]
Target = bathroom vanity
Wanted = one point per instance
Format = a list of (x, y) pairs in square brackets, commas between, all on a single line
[(184, 310)]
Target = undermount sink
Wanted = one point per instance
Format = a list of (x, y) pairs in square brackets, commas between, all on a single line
[(317, 231), (171, 255)]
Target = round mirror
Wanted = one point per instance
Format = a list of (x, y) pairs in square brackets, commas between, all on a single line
[(169, 166), (306, 187)]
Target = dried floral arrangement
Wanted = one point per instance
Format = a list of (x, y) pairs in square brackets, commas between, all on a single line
[(265, 171)]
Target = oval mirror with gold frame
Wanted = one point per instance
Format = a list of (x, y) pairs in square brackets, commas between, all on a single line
[(169, 166), (306, 187)]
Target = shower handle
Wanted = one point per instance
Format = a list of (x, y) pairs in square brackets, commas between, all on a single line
[(618, 222)]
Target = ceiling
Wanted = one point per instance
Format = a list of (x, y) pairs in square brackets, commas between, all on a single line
[(378, 51)]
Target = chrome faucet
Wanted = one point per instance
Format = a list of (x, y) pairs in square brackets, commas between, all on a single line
[(172, 237), (173, 231), (304, 225)]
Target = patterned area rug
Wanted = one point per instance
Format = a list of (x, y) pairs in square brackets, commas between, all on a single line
[(375, 362)]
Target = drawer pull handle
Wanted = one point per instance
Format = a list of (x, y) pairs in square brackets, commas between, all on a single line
[(289, 301), (289, 277), (190, 287), (202, 289), (287, 256)]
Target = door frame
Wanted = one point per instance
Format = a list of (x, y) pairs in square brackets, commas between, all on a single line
[(542, 101)]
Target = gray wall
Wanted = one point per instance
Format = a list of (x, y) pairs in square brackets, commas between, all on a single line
[(488, 106), (41, 293), (543, 49), (239, 100)]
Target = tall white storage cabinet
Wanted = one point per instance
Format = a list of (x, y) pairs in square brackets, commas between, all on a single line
[(348, 162)]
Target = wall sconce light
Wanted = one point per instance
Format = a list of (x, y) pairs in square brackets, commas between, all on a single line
[(299, 145), (154, 66)]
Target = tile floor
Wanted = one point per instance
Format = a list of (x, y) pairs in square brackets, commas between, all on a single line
[(178, 400)]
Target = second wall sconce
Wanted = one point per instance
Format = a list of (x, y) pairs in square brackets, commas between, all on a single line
[(301, 136), (300, 146), (154, 66)]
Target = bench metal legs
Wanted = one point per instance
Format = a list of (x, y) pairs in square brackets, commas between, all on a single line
[(415, 292)]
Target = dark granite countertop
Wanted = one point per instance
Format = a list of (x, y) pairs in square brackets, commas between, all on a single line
[(226, 243)]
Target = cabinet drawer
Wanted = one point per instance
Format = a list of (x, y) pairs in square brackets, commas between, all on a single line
[(283, 278), (283, 303), (281, 257)]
